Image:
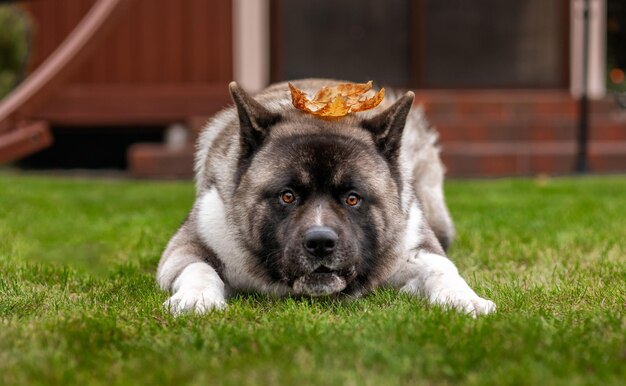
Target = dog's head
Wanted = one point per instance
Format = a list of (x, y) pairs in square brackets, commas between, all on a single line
[(317, 202)]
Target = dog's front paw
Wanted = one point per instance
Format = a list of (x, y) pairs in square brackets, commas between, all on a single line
[(464, 301), (195, 300)]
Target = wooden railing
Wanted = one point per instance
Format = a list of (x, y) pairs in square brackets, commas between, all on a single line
[(18, 135)]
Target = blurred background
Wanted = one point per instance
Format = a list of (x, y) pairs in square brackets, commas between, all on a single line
[(516, 87)]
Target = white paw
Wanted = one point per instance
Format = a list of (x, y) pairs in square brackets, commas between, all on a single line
[(464, 301), (195, 300), (197, 289)]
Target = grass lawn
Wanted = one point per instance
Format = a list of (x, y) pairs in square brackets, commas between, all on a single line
[(79, 304)]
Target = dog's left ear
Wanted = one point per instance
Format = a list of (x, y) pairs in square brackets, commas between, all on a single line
[(387, 127), (254, 119)]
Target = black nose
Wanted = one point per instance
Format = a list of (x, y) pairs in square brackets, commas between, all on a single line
[(320, 241)]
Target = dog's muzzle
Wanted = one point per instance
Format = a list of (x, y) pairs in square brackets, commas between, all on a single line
[(319, 284), (320, 244)]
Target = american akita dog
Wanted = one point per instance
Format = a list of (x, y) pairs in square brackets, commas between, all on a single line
[(291, 204)]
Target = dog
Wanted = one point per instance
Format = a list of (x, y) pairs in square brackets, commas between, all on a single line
[(289, 204)]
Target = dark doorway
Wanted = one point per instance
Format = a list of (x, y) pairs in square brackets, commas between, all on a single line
[(424, 43)]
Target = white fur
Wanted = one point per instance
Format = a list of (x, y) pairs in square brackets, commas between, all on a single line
[(436, 278), (214, 230), (199, 289), (319, 216), (412, 234), (210, 131)]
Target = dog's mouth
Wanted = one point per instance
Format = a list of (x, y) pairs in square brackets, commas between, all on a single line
[(323, 281), (323, 269)]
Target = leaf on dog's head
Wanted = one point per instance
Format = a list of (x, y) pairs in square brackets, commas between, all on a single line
[(339, 100)]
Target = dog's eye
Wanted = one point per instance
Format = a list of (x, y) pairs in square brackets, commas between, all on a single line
[(353, 199), (288, 197)]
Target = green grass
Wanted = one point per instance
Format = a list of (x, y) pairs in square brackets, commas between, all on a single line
[(79, 305)]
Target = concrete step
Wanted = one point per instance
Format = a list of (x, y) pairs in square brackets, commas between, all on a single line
[(149, 160)]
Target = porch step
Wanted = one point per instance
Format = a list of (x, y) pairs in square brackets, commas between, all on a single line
[(148, 160)]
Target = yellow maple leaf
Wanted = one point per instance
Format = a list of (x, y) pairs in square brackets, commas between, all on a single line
[(337, 101)]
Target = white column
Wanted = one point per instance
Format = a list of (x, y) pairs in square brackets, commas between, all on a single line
[(251, 43), (597, 48)]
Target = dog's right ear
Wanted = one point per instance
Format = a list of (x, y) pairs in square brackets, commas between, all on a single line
[(254, 120)]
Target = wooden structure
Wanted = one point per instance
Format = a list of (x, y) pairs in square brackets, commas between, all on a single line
[(118, 62)]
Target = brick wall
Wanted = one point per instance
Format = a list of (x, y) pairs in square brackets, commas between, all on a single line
[(503, 133)]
